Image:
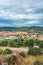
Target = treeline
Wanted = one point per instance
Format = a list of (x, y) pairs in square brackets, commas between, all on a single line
[(28, 29), (21, 42)]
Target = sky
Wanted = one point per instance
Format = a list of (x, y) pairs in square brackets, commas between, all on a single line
[(17, 13)]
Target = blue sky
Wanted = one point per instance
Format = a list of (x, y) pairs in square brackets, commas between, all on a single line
[(19, 13)]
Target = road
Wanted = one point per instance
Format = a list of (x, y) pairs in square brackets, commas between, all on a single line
[(11, 48)]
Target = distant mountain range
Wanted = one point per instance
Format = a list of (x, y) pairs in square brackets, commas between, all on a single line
[(28, 29)]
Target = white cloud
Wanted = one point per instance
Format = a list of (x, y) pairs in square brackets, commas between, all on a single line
[(21, 9), (7, 14), (29, 10), (35, 16), (21, 3), (4, 3), (3, 24), (33, 22)]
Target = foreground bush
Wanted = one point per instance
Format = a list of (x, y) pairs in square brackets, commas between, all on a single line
[(22, 54), (38, 63), (41, 44), (34, 51), (7, 51), (1, 51)]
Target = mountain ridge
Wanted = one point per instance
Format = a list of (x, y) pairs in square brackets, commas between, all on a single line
[(28, 29)]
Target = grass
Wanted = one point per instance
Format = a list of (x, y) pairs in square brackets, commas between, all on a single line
[(28, 60)]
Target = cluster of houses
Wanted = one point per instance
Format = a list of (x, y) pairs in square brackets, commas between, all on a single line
[(11, 35), (19, 34)]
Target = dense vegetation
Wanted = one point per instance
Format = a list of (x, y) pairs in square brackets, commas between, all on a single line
[(21, 42), (17, 42)]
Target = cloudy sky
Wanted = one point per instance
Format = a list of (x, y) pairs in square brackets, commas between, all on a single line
[(19, 13)]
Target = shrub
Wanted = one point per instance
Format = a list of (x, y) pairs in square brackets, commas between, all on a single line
[(41, 44), (36, 41), (38, 63), (7, 51), (34, 51), (1, 51), (22, 54)]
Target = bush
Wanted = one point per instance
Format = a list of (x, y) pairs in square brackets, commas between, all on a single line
[(36, 41), (7, 51), (1, 51), (34, 51), (38, 63), (41, 44), (22, 54)]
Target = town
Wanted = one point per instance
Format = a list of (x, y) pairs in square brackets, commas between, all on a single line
[(20, 34)]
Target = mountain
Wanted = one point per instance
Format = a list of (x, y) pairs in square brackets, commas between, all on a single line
[(28, 29)]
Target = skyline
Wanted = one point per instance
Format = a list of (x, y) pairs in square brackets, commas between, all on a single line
[(17, 13)]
